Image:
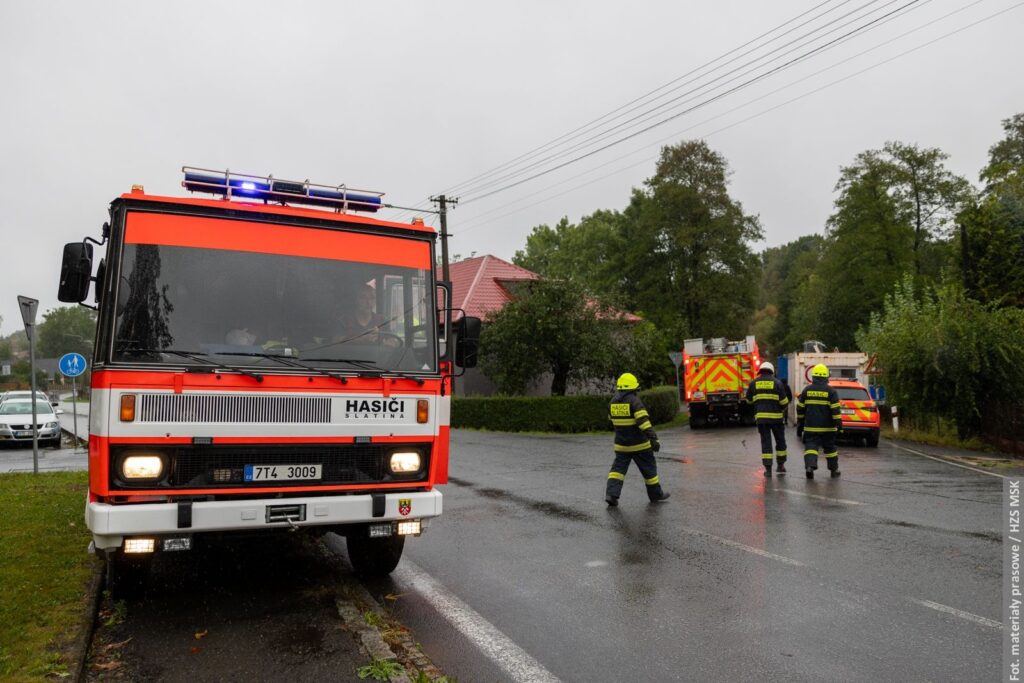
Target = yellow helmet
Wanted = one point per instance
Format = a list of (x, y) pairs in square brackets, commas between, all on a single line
[(627, 381), (819, 370)]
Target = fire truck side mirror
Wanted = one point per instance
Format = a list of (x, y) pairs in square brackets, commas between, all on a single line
[(467, 344), (75, 273)]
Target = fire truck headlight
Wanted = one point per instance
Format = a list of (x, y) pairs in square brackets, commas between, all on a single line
[(142, 467), (404, 462)]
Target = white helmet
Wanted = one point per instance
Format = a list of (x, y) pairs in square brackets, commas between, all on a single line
[(767, 367)]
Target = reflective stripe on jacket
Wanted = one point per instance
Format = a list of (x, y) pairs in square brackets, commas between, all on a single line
[(818, 406), (768, 396), (633, 430)]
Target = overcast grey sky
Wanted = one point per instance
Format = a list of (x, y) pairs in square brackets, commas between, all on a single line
[(413, 98)]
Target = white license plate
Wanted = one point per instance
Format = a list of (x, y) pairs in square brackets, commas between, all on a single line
[(282, 472), (27, 432), (847, 411)]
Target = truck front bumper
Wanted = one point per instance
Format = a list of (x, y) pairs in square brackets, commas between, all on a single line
[(110, 524)]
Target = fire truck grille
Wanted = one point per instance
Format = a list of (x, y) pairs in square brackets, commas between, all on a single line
[(193, 408), (224, 466)]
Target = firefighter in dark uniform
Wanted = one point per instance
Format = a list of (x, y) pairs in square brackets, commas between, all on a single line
[(767, 394), (635, 440), (819, 419)]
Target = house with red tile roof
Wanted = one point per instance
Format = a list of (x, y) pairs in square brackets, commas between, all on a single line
[(482, 285)]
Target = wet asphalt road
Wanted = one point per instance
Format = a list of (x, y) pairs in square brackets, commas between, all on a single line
[(891, 572), (260, 608)]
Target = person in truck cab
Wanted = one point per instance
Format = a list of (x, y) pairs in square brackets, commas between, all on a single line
[(768, 396), (819, 419)]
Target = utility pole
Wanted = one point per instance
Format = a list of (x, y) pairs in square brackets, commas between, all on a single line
[(442, 202)]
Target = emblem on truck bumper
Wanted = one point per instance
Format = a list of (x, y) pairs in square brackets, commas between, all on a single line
[(404, 506)]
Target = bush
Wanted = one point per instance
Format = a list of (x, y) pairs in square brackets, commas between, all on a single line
[(553, 413)]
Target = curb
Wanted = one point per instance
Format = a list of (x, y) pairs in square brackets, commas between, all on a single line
[(369, 637), (80, 648), (79, 441)]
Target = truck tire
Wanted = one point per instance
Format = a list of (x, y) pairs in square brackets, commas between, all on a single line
[(872, 439), (698, 417), (126, 576), (374, 556)]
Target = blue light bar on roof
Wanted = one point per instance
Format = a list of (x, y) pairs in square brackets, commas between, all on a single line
[(270, 189)]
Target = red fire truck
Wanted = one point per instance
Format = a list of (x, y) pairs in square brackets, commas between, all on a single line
[(265, 359)]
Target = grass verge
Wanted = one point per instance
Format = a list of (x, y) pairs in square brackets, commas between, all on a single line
[(936, 439), (44, 572)]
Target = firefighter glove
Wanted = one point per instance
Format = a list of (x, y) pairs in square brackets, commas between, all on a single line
[(655, 445)]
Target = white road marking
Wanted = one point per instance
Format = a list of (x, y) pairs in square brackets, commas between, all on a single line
[(948, 462), (814, 495), (597, 563), (958, 613), (741, 546), (498, 647)]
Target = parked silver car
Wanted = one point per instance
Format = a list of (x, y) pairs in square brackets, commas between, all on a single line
[(16, 422)]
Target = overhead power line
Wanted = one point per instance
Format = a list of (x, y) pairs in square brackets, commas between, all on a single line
[(718, 81), (474, 222), (648, 94), (688, 110)]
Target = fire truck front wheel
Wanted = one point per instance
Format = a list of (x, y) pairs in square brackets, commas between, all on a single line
[(374, 556)]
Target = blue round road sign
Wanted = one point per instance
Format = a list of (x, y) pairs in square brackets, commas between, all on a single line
[(72, 364)]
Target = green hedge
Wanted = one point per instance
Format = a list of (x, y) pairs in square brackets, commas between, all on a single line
[(553, 413)]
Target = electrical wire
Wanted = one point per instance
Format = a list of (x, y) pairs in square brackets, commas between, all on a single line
[(588, 125), (688, 110), (468, 226), (711, 85)]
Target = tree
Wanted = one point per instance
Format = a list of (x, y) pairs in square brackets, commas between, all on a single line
[(589, 252), (784, 271), (550, 326), (66, 329), (946, 355), (688, 264), (893, 215), (1006, 157), (991, 235)]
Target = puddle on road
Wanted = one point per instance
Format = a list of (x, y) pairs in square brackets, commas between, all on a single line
[(984, 535)]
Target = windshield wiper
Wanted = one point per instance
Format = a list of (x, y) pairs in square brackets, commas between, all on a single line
[(199, 357), (285, 360), (358, 362), (373, 370)]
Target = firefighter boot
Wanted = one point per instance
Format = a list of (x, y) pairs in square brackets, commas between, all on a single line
[(662, 498), (832, 460), (810, 462), (767, 467), (611, 500), (781, 469)]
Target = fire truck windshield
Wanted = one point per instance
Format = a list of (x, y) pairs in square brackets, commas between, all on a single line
[(245, 308)]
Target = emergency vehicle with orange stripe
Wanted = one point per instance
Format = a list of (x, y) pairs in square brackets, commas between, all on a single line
[(716, 373), (861, 419), (238, 386)]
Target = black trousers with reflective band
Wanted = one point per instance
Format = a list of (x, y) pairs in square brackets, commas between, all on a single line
[(766, 430), (824, 443), (648, 468)]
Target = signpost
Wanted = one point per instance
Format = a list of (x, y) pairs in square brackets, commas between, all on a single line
[(72, 365), (677, 358), (28, 308)]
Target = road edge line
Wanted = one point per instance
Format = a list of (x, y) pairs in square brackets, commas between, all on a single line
[(948, 462), (939, 607), (485, 636)]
